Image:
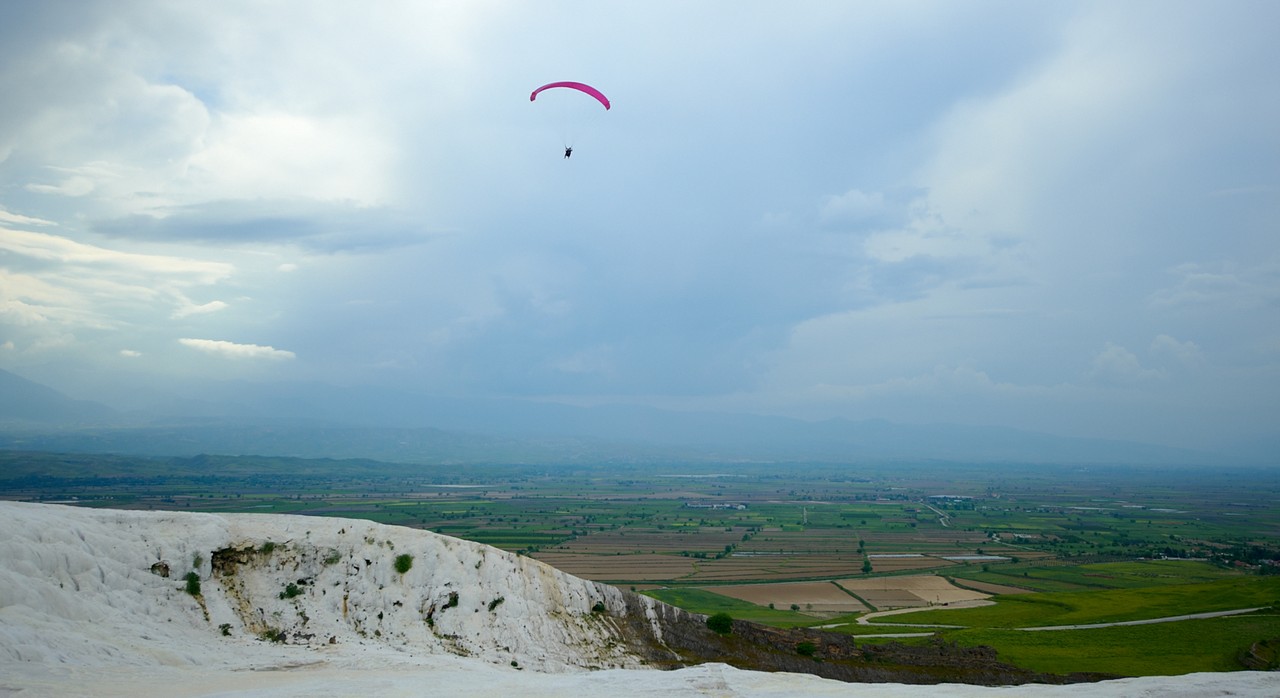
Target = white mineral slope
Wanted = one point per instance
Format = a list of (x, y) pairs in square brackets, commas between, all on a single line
[(83, 613), (94, 568)]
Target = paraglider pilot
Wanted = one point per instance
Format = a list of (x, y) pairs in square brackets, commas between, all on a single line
[(568, 151)]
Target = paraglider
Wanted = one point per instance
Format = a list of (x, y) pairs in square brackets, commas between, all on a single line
[(575, 107), (580, 86)]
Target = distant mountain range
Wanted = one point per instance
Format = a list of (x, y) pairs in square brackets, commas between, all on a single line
[(314, 420), (24, 401)]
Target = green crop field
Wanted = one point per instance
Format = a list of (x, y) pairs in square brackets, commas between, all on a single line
[(1111, 606), (707, 603), (1109, 575), (1214, 644)]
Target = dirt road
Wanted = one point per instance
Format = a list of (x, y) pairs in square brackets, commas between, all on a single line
[(1149, 621), (867, 619)]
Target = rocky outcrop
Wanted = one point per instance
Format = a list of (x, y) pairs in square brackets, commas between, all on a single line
[(1262, 656), (670, 638), (298, 581), (342, 580)]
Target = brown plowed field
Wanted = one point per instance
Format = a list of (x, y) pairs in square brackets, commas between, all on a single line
[(993, 588), (908, 592), (779, 567), (620, 567), (706, 540), (898, 564), (735, 568)]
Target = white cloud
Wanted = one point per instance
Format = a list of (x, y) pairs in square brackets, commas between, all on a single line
[(189, 309), (854, 206), (60, 297), (228, 114), (56, 292), (54, 248), (1115, 365), (130, 353), (44, 304), (948, 381), (233, 350), (998, 154), (71, 186), (1052, 168), (597, 360), (923, 238), (1180, 352), (281, 155), (1219, 284), (18, 219)]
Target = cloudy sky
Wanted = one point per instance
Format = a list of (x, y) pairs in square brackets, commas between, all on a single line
[(1055, 216)]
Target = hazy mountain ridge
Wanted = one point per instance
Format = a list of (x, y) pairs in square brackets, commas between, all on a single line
[(316, 421), (27, 402)]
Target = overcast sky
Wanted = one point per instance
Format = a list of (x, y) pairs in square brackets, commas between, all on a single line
[(1055, 216)]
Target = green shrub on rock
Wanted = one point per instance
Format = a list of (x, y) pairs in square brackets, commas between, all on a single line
[(721, 623)]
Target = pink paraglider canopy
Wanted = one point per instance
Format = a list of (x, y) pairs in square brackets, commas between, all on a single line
[(582, 87)]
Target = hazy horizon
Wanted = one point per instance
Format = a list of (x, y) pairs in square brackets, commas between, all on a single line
[(1058, 217)]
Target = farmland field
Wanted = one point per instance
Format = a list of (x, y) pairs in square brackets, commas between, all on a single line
[(909, 592), (1184, 647), (636, 568), (818, 598), (1112, 605), (988, 588), (701, 601)]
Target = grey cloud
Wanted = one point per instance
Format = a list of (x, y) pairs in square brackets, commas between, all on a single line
[(1234, 285), (1179, 352), (858, 210), (315, 226), (1115, 365)]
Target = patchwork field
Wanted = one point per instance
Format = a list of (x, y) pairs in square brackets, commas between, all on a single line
[(658, 567), (909, 592), (1115, 605), (995, 589), (631, 567), (817, 598), (688, 539), (848, 595), (897, 562)]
